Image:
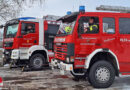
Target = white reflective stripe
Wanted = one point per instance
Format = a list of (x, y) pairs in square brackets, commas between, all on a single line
[(89, 58), (41, 32)]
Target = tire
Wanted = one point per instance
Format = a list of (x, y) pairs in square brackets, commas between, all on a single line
[(37, 61), (98, 70), (78, 76)]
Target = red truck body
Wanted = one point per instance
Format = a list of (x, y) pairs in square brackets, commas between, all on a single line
[(20, 44), (80, 51)]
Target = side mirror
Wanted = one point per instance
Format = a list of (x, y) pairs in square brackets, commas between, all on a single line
[(1, 26), (45, 25)]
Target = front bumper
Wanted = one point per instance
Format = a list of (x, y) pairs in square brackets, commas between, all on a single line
[(61, 65), (10, 54)]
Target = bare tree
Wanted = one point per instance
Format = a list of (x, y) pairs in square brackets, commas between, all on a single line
[(12, 8)]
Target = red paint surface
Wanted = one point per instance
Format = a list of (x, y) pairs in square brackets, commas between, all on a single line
[(120, 49)]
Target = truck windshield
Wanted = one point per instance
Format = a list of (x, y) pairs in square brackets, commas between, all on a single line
[(66, 28), (11, 31)]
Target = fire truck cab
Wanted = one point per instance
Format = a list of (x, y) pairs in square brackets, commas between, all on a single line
[(98, 55), (29, 41)]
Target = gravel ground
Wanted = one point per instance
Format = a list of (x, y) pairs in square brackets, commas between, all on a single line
[(49, 79), (35, 80)]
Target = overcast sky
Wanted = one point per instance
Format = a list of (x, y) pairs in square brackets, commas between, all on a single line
[(60, 7)]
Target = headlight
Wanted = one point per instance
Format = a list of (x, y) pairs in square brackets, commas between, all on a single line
[(15, 54), (67, 59)]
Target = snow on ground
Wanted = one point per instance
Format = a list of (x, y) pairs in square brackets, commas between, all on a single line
[(48, 79)]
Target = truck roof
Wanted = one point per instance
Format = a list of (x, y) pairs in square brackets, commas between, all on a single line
[(73, 16), (109, 13)]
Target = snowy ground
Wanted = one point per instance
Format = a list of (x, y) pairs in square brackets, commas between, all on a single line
[(51, 79)]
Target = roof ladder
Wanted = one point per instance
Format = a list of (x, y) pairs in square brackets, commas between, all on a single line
[(114, 8)]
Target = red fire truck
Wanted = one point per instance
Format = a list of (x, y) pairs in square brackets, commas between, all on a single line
[(98, 55), (29, 41)]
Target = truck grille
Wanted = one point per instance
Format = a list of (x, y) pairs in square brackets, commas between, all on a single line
[(60, 51), (8, 44)]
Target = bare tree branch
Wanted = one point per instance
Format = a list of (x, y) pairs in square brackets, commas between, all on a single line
[(12, 8)]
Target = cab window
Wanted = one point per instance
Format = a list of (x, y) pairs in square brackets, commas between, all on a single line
[(124, 25), (27, 28), (88, 25), (108, 25)]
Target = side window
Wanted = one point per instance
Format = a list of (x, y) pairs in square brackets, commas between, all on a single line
[(27, 28), (109, 25), (88, 25), (124, 25)]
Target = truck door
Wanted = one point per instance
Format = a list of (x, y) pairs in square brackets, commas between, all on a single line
[(87, 39), (29, 34), (109, 39), (124, 42)]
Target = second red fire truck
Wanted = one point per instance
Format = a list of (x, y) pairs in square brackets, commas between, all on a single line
[(29, 41), (100, 55)]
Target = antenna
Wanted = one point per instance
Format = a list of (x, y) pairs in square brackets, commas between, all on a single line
[(113, 8)]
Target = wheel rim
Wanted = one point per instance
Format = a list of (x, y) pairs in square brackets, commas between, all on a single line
[(102, 74), (37, 62)]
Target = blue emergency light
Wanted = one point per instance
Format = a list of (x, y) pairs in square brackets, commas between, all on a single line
[(81, 8), (69, 12), (26, 18)]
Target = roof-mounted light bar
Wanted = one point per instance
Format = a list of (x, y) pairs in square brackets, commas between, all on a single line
[(69, 12), (26, 18), (81, 8)]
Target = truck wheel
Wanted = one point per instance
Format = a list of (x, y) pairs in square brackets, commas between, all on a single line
[(37, 61), (78, 76), (101, 74)]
